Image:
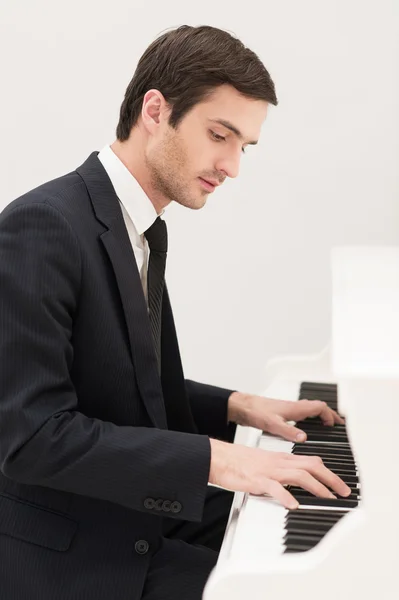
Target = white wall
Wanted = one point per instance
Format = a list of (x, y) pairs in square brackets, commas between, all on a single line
[(249, 275)]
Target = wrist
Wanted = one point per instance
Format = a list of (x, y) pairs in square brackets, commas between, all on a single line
[(237, 408), (217, 460)]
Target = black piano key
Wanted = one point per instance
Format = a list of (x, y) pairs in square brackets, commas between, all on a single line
[(301, 539), (328, 450), (316, 501), (353, 486), (317, 525), (297, 531), (332, 456), (307, 447), (327, 397), (297, 489), (344, 462), (311, 385), (300, 493), (308, 512), (344, 474), (299, 547), (317, 425), (311, 528), (316, 422), (310, 520), (342, 467), (321, 428), (312, 514), (343, 447), (349, 480), (314, 446), (326, 436)]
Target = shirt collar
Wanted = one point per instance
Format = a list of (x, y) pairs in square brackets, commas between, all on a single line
[(136, 202)]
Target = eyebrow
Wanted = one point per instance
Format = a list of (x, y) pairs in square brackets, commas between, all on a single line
[(232, 128)]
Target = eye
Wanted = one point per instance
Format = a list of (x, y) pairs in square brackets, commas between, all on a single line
[(220, 138), (216, 136)]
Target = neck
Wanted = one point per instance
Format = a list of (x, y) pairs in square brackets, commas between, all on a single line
[(131, 153)]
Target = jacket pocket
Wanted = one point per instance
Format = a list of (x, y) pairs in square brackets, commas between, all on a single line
[(36, 525)]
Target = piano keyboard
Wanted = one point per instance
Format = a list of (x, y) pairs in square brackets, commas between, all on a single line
[(306, 526), (271, 529)]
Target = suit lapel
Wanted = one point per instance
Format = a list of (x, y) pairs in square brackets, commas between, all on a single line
[(118, 247)]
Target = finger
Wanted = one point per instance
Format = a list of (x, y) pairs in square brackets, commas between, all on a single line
[(313, 408), (303, 479), (315, 466), (338, 419), (330, 417), (274, 489), (277, 426), (327, 415)]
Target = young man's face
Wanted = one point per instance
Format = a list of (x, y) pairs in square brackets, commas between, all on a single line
[(201, 148)]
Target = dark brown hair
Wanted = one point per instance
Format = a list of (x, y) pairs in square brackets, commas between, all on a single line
[(186, 65)]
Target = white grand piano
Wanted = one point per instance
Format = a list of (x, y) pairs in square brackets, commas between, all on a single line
[(348, 550)]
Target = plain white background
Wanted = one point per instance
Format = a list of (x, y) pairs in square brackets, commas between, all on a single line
[(249, 275)]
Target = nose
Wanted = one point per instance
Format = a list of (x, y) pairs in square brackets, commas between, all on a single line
[(230, 165)]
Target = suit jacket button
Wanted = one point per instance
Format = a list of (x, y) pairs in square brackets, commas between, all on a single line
[(166, 505), (175, 507), (149, 503), (141, 547), (158, 504)]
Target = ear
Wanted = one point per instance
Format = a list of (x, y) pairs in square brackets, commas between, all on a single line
[(154, 110)]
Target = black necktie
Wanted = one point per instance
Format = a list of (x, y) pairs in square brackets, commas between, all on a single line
[(157, 237)]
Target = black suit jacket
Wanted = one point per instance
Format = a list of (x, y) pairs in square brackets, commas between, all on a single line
[(94, 446)]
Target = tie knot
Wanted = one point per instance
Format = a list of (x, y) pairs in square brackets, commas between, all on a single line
[(157, 236)]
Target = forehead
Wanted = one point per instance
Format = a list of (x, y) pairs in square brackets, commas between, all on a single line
[(227, 104)]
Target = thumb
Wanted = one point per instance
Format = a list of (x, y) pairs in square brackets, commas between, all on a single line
[(277, 426)]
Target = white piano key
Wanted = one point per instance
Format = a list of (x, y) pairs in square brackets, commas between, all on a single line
[(273, 444), (260, 528)]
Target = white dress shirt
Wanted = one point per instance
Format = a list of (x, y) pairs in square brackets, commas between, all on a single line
[(137, 209)]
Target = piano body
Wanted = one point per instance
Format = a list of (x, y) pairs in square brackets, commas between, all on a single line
[(346, 550)]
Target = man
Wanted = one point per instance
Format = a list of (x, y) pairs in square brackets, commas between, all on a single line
[(106, 451)]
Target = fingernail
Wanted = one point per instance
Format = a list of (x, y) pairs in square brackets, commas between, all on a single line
[(301, 437), (293, 506)]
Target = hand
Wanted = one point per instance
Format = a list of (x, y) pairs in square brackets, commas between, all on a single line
[(272, 415), (239, 468)]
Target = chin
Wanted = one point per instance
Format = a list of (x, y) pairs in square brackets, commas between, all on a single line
[(200, 203), (194, 203)]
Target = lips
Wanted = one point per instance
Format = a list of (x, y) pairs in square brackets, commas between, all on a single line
[(214, 183), (209, 187)]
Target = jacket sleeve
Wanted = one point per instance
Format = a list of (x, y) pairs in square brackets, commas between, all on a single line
[(44, 439), (209, 407)]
